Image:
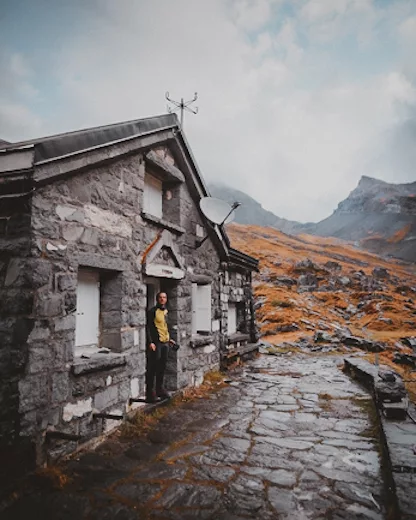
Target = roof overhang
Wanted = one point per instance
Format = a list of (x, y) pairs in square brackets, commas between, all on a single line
[(16, 159), (240, 259), (48, 159)]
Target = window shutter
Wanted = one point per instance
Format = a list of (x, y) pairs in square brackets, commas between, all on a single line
[(152, 202), (201, 308), (204, 308), (232, 318), (88, 308), (194, 297)]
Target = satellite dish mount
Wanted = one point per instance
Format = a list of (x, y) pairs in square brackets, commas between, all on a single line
[(217, 211)]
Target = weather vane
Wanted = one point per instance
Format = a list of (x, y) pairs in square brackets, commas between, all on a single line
[(182, 105)]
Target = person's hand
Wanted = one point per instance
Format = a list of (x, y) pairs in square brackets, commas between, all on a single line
[(152, 346), (172, 342)]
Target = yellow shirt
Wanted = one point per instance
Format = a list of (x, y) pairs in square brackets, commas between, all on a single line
[(161, 325)]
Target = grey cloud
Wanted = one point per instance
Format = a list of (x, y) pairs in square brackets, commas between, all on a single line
[(277, 119)]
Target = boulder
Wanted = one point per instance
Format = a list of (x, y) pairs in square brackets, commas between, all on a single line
[(359, 275), (362, 343), (308, 280), (409, 342), (351, 309), (341, 331), (405, 359), (333, 266), (291, 327), (284, 281), (344, 280), (391, 394), (388, 321), (380, 272), (321, 336), (405, 289), (389, 386), (305, 265)]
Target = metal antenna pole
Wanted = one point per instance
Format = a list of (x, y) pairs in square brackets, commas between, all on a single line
[(182, 105)]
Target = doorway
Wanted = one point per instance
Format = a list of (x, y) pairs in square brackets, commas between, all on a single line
[(170, 287), (152, 288)]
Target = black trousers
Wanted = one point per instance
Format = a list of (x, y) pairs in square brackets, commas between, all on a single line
[(155, 367)]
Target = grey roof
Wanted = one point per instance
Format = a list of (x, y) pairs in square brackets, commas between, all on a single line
[(240, 258), (62, 144)]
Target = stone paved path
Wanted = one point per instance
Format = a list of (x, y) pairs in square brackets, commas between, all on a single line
[(290, 438)]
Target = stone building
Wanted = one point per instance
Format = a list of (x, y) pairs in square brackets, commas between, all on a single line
[(92, 224)]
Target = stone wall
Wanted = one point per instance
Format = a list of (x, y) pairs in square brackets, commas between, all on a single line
[(94, 220), (16, 299), (237, 289)]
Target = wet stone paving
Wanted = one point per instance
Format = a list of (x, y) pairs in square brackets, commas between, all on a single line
[(288, 438)]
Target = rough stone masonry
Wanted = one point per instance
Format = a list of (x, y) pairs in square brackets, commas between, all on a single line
[(70, 205)]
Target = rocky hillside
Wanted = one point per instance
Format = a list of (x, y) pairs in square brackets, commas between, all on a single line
[(317, 293), (377, 216)]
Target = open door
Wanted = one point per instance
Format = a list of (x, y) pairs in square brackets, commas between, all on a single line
[(170, 287), (152, 288)]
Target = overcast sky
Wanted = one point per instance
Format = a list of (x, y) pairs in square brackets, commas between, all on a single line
[(297, 99)]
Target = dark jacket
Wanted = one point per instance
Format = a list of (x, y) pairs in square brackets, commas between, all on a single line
[(151, 330)]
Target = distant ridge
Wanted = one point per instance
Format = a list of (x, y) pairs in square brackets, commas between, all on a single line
[(251, 211), (376, 215), (379, 215)]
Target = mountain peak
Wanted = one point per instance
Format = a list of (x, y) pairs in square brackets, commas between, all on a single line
[(378, 215), (367, 181), (251, 211)]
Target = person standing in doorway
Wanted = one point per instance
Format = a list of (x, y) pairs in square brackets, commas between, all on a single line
[(158, 342)]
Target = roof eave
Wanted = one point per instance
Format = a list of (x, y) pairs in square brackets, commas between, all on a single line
[(241, 259)]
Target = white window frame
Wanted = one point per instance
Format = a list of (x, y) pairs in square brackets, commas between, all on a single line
[(88, 281), (201, 308), (232, 318), (153, 196)]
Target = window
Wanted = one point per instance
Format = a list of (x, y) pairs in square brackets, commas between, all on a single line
[(153, 196), (88, 312), (200, 231), (98, 314), (201, 308), (241, 317), (232, 318)]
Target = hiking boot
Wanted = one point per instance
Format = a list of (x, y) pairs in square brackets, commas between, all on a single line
[(163, 393), (152, 398)]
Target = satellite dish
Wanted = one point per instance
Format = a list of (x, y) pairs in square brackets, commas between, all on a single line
[(218, 211)]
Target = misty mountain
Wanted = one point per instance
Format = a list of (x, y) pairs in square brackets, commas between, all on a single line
[(251, 211), (377, 215)]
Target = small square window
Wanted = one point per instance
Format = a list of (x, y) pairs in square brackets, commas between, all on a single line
[(200, 231), (153, 196)]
